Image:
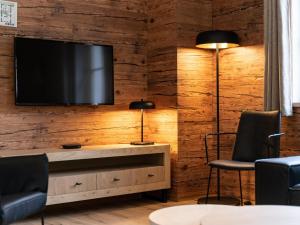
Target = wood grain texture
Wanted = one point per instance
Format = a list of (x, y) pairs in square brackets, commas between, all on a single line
[(155, 58), (122, 24), (242, 80), (180, 81), (195, 85), (133, 212), (74, 175), (162, 76)]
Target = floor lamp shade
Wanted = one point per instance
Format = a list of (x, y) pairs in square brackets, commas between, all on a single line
[(216, 40), (142, 105)]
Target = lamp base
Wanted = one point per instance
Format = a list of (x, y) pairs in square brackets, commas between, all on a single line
[(142, 143), (221, 201)]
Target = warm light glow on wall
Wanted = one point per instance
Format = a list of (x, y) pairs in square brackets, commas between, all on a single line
[(195, 82), (241, 60), (193, 63), (163, 126), (119, 126)]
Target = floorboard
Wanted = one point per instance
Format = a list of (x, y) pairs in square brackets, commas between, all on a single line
[(130, 212)]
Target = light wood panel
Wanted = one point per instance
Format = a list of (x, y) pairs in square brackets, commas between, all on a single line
[(60, 184), (75, 175)]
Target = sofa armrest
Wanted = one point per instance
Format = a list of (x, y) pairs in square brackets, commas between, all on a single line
[(274, 177)]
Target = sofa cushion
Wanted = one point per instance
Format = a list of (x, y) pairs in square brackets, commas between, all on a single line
[(294, 195)]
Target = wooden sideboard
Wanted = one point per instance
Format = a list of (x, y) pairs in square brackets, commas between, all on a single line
[(103, 171)]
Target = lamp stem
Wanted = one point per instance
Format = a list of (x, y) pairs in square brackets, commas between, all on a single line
[(142, 125), (218, 118)]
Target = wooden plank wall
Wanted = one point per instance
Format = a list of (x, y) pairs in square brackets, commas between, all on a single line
[(242, 80), (179, 81), (162, 77), (195, 96), (120, 23), (155, 58)]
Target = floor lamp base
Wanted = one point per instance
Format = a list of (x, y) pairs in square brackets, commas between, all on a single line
[(221, 201), (142, 143)]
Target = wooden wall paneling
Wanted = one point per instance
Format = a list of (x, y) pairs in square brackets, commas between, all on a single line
[(179, 80), (162, 77), (122, 24), (242, 75), (194, 118), (155, 58), (194, 71)]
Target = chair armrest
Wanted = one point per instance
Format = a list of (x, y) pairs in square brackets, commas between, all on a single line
[(214, 134), (269, 142), (21, 174)]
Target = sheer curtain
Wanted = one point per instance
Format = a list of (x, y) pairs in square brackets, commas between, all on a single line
[(278, 56), (295, 21)]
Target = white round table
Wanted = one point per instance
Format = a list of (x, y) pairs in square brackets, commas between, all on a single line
[(226, 215)]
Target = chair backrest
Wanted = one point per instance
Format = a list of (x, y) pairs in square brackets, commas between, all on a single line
[(253, 131), (22, 174)]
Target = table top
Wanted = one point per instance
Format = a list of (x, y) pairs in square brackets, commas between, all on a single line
[(226, 215), (89, 152)]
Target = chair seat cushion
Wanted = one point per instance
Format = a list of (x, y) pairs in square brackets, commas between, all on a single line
[(232, 165), (19, 206)]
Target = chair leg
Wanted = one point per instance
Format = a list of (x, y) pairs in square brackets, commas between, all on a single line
[(42, 218), (208, 185), (241, 190)]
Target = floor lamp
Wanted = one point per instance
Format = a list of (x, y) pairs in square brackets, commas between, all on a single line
[(216, 40)]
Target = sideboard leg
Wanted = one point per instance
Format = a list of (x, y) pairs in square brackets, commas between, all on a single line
[(164, 195)]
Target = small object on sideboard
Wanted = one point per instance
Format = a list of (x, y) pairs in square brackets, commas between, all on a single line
[(71, 146)]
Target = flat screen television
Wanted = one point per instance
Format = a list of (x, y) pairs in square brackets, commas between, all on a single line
[(51, 72)]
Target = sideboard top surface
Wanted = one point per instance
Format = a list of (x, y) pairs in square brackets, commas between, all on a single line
[(90, 152)]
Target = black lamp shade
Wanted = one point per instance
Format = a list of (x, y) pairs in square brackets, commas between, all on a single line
[(142, 105), (217, 39)]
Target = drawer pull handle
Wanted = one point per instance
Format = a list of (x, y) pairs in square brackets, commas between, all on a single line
[(116, 179), (150, 175), (77, 184)]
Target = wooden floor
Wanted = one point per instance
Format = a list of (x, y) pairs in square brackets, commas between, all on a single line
[(130, 212)]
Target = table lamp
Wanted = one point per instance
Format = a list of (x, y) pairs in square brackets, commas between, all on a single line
[(216, 40), (142, 105)]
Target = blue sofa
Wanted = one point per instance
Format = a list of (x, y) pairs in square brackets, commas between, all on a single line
[(277, 181)]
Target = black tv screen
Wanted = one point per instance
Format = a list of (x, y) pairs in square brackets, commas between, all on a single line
[(62, 73)]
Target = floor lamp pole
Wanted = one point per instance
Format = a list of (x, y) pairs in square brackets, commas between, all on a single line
[(142, 125), (218, 118)]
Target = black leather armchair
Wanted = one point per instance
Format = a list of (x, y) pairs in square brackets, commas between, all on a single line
[(258, 137), (23, 187), (277, 181)]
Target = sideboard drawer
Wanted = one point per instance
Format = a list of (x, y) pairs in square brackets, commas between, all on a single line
[(149, 175), (64, 184), (113, 179)]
